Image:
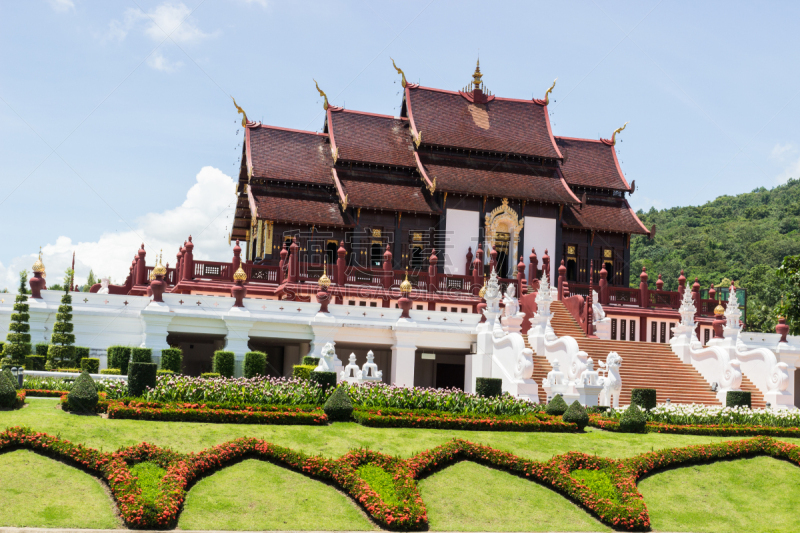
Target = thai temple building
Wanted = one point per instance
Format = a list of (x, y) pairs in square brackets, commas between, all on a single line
[(461, 239)]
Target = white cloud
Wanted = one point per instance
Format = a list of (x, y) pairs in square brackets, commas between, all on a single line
[(786, 154), (159, 62), (202, 215), (62, 5), (791, 171), (781, 151), (262, 3)]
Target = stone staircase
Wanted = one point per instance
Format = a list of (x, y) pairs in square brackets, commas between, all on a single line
[(644, 365)]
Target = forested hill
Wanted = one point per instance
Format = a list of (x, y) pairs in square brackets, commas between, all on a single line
[(742, 238)]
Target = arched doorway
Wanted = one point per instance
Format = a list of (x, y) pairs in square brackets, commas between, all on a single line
[(502, 232)]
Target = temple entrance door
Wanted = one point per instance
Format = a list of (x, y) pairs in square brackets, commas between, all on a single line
[(501, 245), (572, 270), (502, 231), (449, 376)]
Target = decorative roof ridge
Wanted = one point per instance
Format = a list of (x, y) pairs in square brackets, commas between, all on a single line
[(468, 96), (566, 186), (292, 130), (581, 139), (430, 185), (635, 217), (379, 115), (550, 133)]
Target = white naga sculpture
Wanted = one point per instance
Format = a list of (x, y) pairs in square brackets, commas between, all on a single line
[(601, 323), (611, 382), (328, 360), (554, 383), (103, 286)]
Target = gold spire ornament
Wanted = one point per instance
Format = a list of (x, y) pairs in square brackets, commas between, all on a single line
[(614, 135), (482, 292), (38, 266), (240, 274), (547, 94), (403, 74), (406, 286), (322, 94), (159, 269), (719, 310), (476, 76), (240, 110), (324, 281)]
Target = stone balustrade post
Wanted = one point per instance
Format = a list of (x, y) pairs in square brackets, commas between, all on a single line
[(294, 261), (644, 291), (604, 291)]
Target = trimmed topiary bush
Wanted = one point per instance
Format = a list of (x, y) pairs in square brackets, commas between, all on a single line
[(338, 407), (557, 406), (310, 361), (326, 379), (41, 348), (738, 398), (255, 364), (302, 371), (209, 375), (118, 357), (11, 377), (141, 355), (172, 359), (35, 362), (111, 371), (163, 372), (633, 420), (8, 394), (83, 396), (81, 353), (61, 352), (489, 387), (644, 398), (141, 376), (90, 365), (19, 338), (224, 363), (576, 414)]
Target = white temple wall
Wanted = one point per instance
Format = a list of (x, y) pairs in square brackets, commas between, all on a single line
[(461, 231), (540, 233)]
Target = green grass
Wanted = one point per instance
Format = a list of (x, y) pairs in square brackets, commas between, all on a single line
[(754, 495), (255, 496), (600, 482), (381, 482), (150, 476), (472, 497), (36, 491)]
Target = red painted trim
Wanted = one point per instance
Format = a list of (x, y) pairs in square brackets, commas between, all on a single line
[(330, 131), (421, 169), (578, 139), (564, 183), (410, 114), (290, 130), (253, 205), (550, 133), (647, 231), (338, 184), (248, 154), (619, 169)]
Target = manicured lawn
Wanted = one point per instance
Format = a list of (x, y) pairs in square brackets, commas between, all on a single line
[(36, 491), (255, 495), (497, 501), (753, 495)]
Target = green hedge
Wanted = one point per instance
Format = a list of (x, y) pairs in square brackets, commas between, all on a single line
[(738, 398), (644, 398), (576, 414), (310, 361), (325, 379), (41, 348), (172, 359), (83, 397), (118, 357), (81, 352), (163, 372), (111, 371), (8, 393), (35, 362), (90, 365), (141, 376), (489, 387), (633, 420), (302, 371), (11, 377), (557, 406), (338, 407), (224, 363), (141, 355), (255, 364), (209, 375)]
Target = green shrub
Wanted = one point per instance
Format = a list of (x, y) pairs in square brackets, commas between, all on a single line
[(302, 371), (61, 351), (325, 379), (172, 359), (576, 414), (8, 393), (90, 365), (644, 398), (41, 348), (35, 362), (163, 372), (81, 353), (209, 375), (141, 355), (7, 372), (633, 420), (338, 407), (557, 406), (111, 371), (83, 396), (255, 364), (738, 398), (118, 357), (19, 338), (310, 361), (489, 387), (224, 363), (68, 369), (600, 483), (381, 482), (141, 376)]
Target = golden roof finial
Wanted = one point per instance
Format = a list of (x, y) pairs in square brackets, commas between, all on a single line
[(240, 274), (614, 135), (324, 281), (547, 94), (159, 269), (240, 110), (38, 266), (406, 286), (482, 292), (322, 94), (400, 71), (719, 310), (476, 76)]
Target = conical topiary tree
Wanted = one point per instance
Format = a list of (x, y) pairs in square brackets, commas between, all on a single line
[(338, 407), (62, 350), (19, 340), (577, 415), (557, 406), (83, 397), (8, 394)]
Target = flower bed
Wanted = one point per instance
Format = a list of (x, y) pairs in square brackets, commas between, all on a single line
[(717, 415), (202, 413), (475, 422), (38, 393), (100, 407), (20, 401), (717, 430)]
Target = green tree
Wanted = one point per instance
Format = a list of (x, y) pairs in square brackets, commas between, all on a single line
[(62, 350), (19, 338), (789, 274), (23, 282), (89, 282)]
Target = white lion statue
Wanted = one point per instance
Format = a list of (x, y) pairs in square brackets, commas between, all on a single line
[(511, 303), (327, 361), (611, 382), (597, 308)]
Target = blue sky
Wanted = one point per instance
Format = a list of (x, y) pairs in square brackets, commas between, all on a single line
[(118, 128)]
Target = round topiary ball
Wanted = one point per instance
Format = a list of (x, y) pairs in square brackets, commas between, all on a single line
[(576, 414), (557, 406), (633, 420)]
